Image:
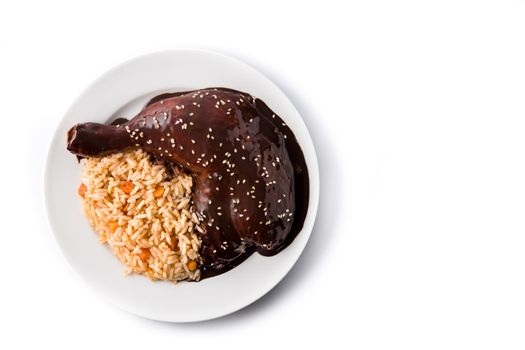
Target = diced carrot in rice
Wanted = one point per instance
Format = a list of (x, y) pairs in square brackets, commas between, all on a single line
[(126, 186), (192, 265), (144, 253), (82, 190), (113, 226), (159, 191)]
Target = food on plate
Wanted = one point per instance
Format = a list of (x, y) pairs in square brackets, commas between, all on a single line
[(243, 173)]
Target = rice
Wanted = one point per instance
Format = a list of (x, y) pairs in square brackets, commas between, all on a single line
[(152, 229)]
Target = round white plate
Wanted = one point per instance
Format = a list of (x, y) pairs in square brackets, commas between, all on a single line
[(122, 92)]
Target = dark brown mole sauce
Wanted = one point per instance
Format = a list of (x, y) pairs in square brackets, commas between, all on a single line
[(251, 186)]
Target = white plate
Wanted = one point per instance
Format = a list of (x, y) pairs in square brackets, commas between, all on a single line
[(122, 92)]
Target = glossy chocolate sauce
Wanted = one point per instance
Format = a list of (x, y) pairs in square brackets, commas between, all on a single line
[(250, 177)]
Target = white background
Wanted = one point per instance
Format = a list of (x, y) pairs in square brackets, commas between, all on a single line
[(417, 110)]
